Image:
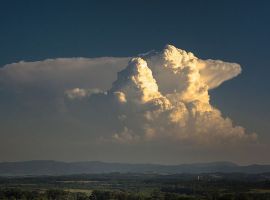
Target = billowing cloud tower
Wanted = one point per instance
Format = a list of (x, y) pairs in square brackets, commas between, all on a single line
[(164, 96)]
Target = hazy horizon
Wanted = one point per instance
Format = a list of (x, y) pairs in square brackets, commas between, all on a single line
[(136, 163)]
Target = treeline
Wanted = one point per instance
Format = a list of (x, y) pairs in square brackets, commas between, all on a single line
[(53, 194), (158, 195), (58, 194), (120, 195)]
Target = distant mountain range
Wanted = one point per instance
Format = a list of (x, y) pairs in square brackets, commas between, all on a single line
[(46, 167)]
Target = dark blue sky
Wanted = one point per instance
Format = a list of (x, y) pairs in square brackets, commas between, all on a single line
[(34, 30), (234, 31)]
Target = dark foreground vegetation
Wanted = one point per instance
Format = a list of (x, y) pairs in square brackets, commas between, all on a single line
[(138, 187)]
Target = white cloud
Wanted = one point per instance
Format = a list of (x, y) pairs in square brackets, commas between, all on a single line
[(164, 95), (63, 73), (215, 72), (144, 102), (40, 86), (79, 93)]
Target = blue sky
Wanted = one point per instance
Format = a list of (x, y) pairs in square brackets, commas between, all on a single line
[(234, 31)]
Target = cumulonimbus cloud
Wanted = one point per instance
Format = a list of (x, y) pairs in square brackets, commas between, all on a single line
[(155, 96), (163, 96), (152, 108)]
